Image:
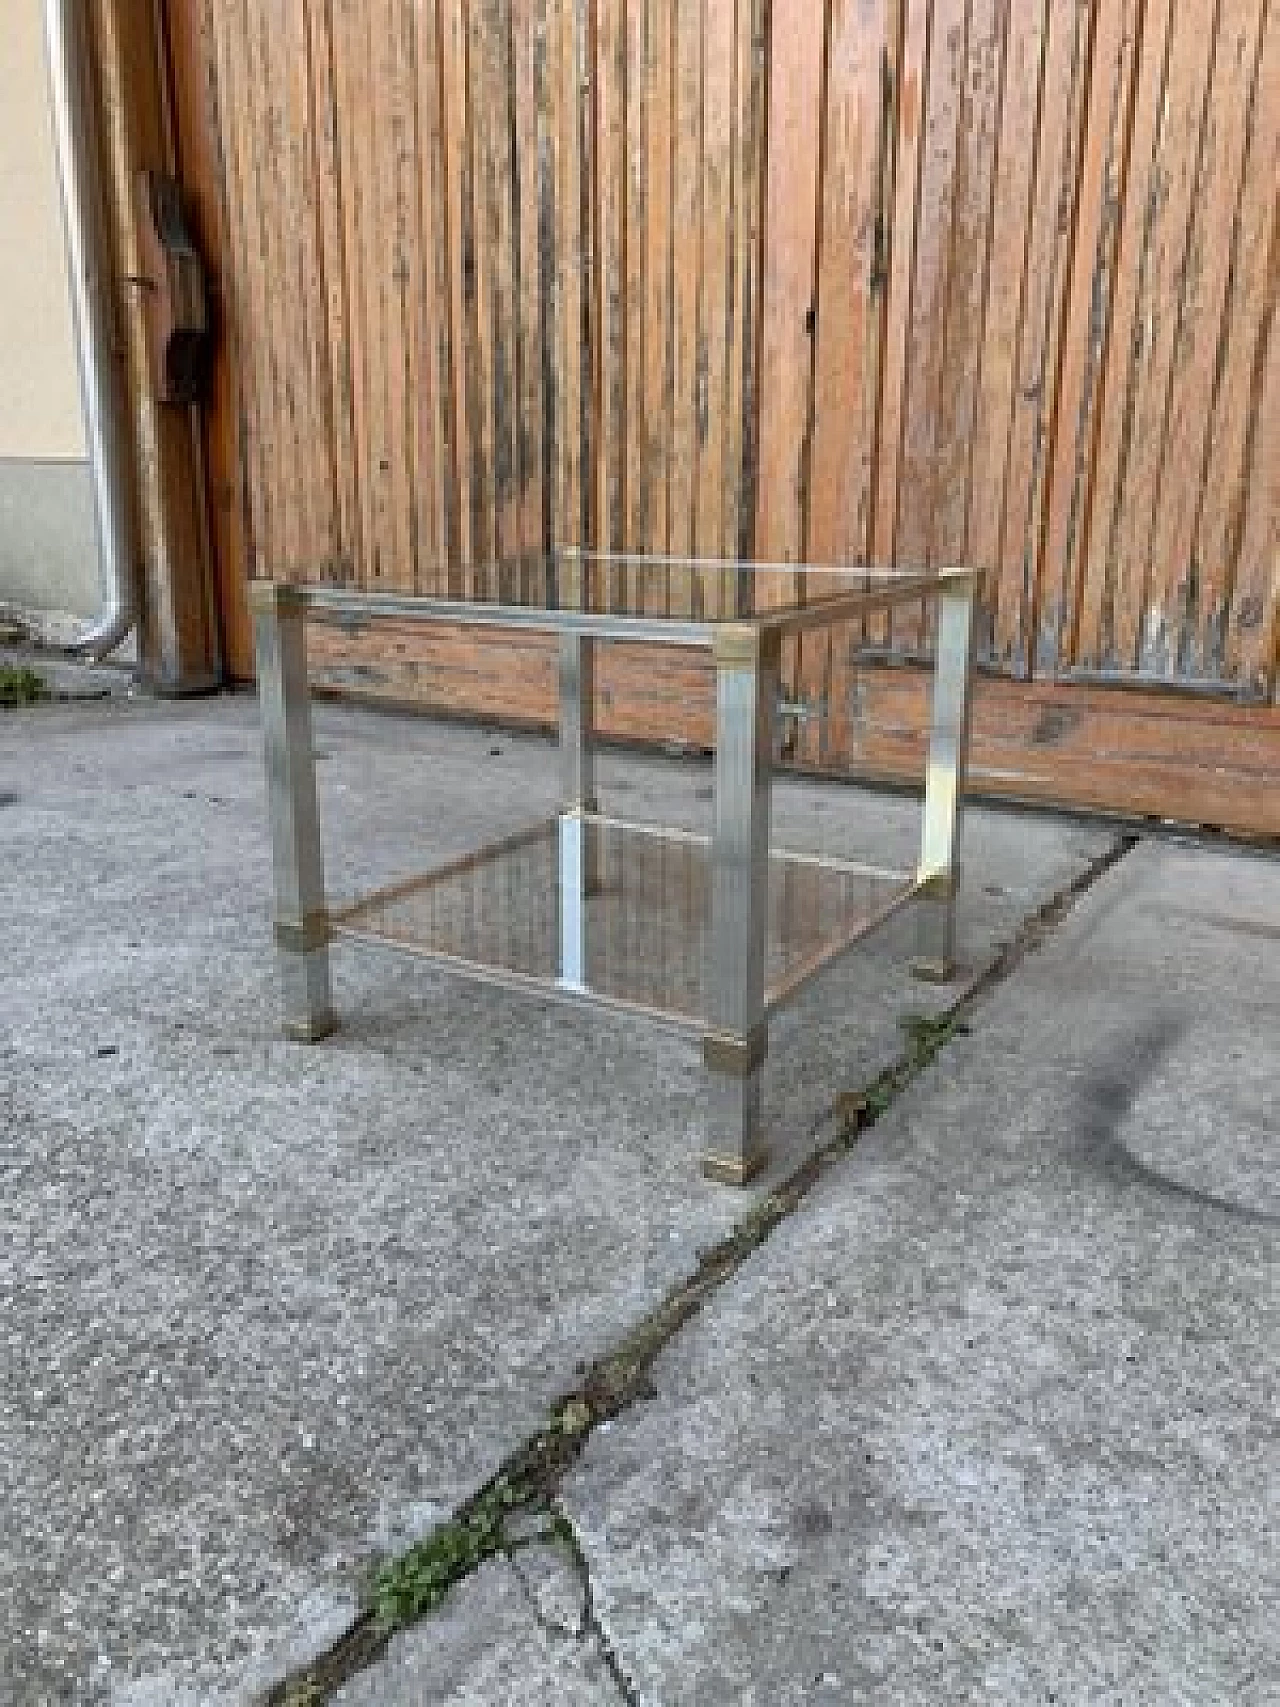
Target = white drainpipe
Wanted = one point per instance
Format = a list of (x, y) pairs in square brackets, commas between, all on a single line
[(98, 343)]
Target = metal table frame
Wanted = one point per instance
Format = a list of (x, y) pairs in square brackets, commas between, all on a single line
[(746, 650)]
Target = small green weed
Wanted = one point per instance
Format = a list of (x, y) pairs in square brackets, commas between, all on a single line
[(926, 1036), (930, 1032), (303, 1695), (416, 1583), (21, 686)]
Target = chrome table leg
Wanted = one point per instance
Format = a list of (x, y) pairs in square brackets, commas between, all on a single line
[(301, 924), (945, 780), (577, 695), (737, 1037)]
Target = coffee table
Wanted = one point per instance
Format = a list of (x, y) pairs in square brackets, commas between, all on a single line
[(710, 935)]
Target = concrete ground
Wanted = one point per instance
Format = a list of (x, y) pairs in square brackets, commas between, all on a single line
[(991, 1417)]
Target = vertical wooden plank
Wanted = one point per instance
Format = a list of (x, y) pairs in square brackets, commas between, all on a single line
[(1237, 468), (1257, 592), (611, 275), (979, 125), (482, 125), (1141, 630), (1173, 589), (589, 410), (1174, 574), (745, 318), (385, 474), (635, 238), (564, 110), (320, 259), (850, 283), (455, 122), (716, 306), (806, 660), (353, 94), (921, 455), (1254, 652), (1094, 647), (917, 481), (547, 87), (909, 85), (848, 335), (590, 73), (1010, 224), (793, 165), (330, 194), (280, 462), (659, 128), (1090, 298), (246, 283), (380, 121), (503, 245), (398, 260), (430, 353), (1062, 109), (299, 329), (528, 45), (686, 267), (295, 313), (790, 254), (263, 153)]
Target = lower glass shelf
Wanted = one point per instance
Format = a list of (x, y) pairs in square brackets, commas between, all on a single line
[(592, 908)]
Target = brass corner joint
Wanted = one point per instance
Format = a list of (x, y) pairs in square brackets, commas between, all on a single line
[(305, 936), (276, 598), (938, 885), (745, 645), (735, 1057), (734, 1170)]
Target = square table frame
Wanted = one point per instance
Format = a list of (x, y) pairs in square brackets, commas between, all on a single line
[(747, 651)]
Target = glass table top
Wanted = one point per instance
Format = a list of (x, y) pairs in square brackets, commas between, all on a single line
[(684, 598), (589, 906)]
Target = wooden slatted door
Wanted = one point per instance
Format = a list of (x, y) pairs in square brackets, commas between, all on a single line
[(850, 281), (1043, 342)]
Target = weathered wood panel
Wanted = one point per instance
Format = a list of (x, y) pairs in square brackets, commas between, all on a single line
[(839, 281), (922, 446), (1023, 74), (1247, 563), (906, 84), (789, 313), (851, 279), (1044, 292), (1172, 595), (1090, 307)]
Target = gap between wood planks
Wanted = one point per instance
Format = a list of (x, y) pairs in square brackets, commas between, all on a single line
[(519, 1506)]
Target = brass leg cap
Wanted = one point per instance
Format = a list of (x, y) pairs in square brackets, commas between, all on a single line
[(935, 971), (314, 1032), (734, 1170)]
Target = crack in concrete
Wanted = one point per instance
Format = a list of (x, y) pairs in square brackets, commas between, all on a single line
[(591, 1625), (527, 1485), (542, 1618), (589, 1632)]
